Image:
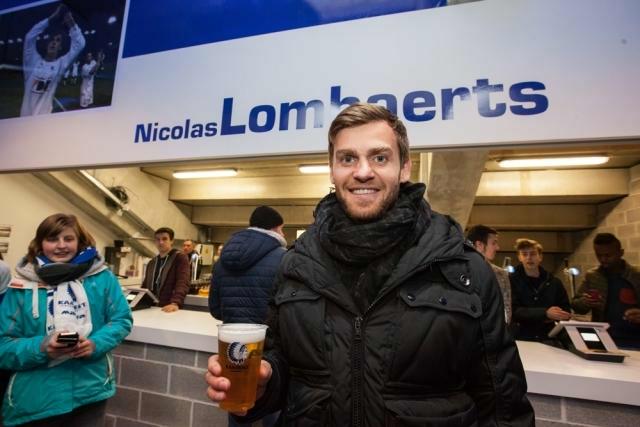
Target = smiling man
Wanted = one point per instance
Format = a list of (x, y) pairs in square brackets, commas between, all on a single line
[(382, 315), (539, 298)]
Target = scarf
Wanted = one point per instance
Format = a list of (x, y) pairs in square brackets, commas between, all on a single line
[(368, 252), (67, 304)]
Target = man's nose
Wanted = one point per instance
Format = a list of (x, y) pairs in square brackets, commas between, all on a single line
[(363, 170)]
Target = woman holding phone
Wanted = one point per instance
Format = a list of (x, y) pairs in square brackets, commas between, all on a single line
[(59, 321)]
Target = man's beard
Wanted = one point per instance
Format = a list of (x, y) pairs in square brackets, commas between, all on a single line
[(357, 214)]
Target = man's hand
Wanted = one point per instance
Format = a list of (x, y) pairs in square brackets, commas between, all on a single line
[(53, 348), (218, 385), (57, 14), (632, 315), (556, 313), (169, 308), (592, 298), (84, 348), (68, 20)]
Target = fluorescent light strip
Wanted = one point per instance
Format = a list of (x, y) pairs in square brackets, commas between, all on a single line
[(547, 162), (217, 173), (314, 169)]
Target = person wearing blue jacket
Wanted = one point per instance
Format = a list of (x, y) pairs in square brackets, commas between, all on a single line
[(62, 285), (242, 280)]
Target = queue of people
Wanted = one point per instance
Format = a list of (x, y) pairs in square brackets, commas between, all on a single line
[(537, 299)]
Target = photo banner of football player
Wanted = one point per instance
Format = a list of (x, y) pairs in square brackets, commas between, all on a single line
[(240, 78)]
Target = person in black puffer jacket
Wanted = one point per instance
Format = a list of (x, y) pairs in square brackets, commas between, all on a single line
[(382, 315), (539, 298)]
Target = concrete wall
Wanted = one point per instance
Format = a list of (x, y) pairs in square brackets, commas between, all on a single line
[(161, 386), (553, 411), (26, 201), (620, 217), (149, 199)]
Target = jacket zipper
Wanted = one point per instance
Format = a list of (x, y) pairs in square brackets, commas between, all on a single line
[(10, 390), (357, 374), (358, 353), (109, 370)]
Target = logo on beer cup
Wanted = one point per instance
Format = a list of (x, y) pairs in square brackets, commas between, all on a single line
[(237, 353)]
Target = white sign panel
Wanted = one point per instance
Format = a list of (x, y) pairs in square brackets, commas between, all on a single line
[(484, 73)]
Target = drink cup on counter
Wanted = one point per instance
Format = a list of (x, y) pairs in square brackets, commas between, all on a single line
[(240, 352)]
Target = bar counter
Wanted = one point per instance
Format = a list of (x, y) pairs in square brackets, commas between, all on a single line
[(162, 363)]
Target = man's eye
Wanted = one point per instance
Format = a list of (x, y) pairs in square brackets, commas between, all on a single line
[(380, 158), (347, 159)]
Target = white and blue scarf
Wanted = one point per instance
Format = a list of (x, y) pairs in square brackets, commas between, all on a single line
[(67, 304)]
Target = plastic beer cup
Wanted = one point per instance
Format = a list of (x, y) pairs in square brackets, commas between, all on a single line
[(240, 352)]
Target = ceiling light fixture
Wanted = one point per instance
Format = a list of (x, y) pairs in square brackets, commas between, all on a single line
[(550, 162), (314, 169), (215, 173)]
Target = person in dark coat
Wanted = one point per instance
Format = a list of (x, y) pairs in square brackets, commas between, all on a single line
[(382, 314), (242, 280), (539, 298), (167, 274)]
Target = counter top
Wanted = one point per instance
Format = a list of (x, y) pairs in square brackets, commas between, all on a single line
[(549, 370), (557, 372), (193, 330)]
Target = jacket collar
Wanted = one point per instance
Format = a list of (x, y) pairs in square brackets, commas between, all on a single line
[(310, 264)]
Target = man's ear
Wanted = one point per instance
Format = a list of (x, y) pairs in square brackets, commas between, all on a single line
[(405, 171)]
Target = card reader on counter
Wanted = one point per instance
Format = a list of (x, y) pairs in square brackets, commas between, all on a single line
[(589, 340), (139, 298)]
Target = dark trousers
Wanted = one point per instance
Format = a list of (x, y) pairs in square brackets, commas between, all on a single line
[(91, 415)]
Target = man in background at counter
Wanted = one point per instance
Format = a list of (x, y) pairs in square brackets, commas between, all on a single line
[(167, 274), (242, 281), (539, 298), (611, 291), (382, 314), (195, 261), (485, 240)]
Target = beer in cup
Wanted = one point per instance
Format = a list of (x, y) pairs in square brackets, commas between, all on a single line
[(240, 352)]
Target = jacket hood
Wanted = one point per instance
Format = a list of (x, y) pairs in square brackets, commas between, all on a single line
[(245, 248), (26, 270)]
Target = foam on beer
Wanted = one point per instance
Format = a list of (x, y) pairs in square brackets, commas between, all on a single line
[(243, 333)]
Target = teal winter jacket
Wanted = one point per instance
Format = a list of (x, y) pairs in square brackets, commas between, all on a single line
[(37, 390)]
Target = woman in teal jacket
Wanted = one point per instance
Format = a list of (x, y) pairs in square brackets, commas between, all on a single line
[(62, 285)]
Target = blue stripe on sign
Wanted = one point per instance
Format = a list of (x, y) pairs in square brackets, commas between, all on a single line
[(154, 26)]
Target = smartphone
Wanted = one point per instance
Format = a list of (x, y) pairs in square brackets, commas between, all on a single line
[(68, 338)]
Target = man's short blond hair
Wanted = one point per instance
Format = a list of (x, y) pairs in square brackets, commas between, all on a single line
[(522, 244)]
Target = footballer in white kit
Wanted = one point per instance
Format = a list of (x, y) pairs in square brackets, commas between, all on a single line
[(42, 75)]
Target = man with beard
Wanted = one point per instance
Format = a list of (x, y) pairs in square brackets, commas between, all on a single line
[(382, 315)]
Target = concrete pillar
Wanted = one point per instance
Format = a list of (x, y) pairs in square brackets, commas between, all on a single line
[(452, 180)]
